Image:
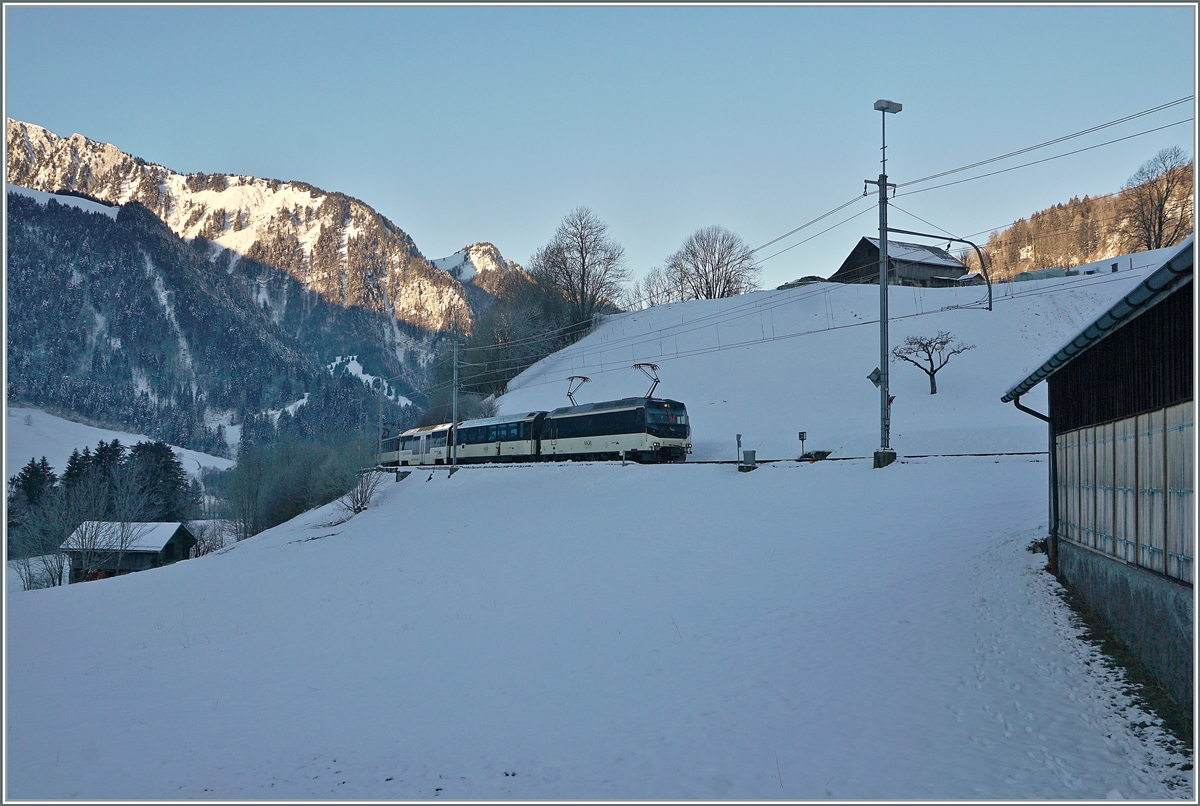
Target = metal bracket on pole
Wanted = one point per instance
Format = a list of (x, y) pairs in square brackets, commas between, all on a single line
[(572, 389), (646, 370), (978, 252)]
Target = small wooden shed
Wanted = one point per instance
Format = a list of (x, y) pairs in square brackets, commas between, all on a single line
[(100, 549), (1122, 434)]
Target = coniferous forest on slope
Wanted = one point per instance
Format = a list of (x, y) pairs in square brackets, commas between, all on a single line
[(123, 323)]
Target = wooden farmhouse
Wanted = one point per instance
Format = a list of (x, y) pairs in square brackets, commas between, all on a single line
[(1121, 417), (908, 264), (100, 549)]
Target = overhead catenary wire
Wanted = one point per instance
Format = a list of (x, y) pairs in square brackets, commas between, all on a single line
[(1017, 152), (1047, 159), (1055, 141), (619, 366), (542, 338)]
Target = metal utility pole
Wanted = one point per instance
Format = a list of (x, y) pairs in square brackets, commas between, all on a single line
[(885, 455), (454, 412)]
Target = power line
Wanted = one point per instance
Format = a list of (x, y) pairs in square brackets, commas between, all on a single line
[(1047, 159), (809, 224), (1056, 140), (822, 232)]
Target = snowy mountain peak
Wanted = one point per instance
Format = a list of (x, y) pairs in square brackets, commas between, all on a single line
[(470, 261), (337, 246)]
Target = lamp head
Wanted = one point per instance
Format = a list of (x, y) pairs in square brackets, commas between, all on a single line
[(888, 106)]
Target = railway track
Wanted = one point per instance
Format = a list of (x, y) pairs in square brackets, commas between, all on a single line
[(709, 461)]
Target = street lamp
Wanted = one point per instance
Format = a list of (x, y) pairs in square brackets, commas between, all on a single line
[(885, 455)]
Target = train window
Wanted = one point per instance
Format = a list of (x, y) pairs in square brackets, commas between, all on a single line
[(666, 417), (437, 440)]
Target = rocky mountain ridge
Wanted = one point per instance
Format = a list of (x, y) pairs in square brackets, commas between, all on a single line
[(335, 245)]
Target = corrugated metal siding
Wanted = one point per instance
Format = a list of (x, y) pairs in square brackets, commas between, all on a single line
[(1125, 470), (1181, 486), (1087, 486), (1105, 483), (1152, 500), (1127, 489), (1143, 366)]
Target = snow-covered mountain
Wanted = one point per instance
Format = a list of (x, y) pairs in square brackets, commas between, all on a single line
[(334, 244), (468, 263)]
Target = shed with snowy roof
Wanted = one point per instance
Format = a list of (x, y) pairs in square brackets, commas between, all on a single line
[(1121, 417), (908, 264), (100, 549)]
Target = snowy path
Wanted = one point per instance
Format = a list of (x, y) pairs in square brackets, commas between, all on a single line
[(594, 632)]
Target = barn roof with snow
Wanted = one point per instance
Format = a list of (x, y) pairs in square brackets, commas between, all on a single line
[(908, 264), (146, 536)]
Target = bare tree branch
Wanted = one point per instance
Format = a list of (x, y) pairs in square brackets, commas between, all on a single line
[(931, 353), (582, 263), (713, 263), (1157, 206)]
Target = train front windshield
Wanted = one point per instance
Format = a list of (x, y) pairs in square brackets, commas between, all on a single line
[(667, 422)]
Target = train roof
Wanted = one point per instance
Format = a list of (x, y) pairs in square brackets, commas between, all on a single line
[(511, 418), (609, 405), (424, 429)]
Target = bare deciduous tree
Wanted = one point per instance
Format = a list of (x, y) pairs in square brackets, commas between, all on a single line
[(209, 534), (246, 493), (1156, 204), (930, 353), (713, 263), (657, 287), (85, 504), (582, 263), (130, 505), (360, 495)]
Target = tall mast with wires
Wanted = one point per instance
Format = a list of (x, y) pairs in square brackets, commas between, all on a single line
[(885, 455)]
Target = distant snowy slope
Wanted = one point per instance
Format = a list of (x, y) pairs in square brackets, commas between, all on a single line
[(86, 205), (55, 438), (769, 364)]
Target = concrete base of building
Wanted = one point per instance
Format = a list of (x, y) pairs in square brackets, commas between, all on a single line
[(1151, 614)]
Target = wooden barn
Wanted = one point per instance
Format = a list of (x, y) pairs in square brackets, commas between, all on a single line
[(1121, 413), (100, 549), (908, 264)]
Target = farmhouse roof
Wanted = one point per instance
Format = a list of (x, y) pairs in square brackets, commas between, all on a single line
[(146, 536), (1174, 272), (918, 253)]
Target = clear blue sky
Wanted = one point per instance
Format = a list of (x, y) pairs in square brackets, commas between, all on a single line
[(489, 124)]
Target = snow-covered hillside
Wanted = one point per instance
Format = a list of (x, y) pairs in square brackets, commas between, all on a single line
[(594, 632), (33, 433), (770, 364), (87, 205)]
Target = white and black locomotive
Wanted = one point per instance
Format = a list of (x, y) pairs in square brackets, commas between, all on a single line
[(642, 429)]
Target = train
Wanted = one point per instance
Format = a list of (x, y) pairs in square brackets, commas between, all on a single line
[(640, 429)]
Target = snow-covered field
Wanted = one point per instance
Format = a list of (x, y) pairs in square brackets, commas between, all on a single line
[(593, 631), (32, 434), (599, 631), (770, 364)]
